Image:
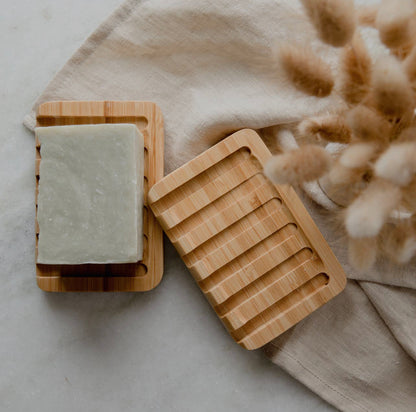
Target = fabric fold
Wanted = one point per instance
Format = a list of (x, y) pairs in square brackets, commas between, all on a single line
[(346, 353), (209, 67), (397, 307)]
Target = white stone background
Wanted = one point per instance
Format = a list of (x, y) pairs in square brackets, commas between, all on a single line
[(163, 350)]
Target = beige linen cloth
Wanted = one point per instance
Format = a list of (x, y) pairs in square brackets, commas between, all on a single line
[(208, 66)]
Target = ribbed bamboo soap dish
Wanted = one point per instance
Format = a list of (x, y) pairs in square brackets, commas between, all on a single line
[(251, 246), (127, 277)]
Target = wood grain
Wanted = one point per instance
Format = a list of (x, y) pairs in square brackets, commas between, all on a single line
[(252, 247), (141, 276)]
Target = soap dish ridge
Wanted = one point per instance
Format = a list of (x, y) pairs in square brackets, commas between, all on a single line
[(251, 246)]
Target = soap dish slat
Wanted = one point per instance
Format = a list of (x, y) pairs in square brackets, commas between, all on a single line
[(140, 276), (251, 246)]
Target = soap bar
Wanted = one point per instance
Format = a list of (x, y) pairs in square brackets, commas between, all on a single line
[(90, 200)]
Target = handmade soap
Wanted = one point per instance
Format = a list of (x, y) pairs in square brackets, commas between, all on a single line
[(90, 200)]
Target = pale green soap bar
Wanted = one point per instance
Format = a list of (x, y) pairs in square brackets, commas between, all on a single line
[(90, 201)]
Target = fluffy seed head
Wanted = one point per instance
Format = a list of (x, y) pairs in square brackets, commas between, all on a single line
[(339, 175), (331, 128), (392, 89), (367, 15), (355, 71), (399, 242), (367, 213), (406, 250), (334, 20), (362, 253), (394, 23), (401, 124), (407, 135), (368, 125), (409, 196), (398, 163), (301, 165), (307, 71), (409, 65), (358, 155), (340, 193)]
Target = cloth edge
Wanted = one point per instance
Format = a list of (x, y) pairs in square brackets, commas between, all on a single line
[(301, 373), (86, 48)]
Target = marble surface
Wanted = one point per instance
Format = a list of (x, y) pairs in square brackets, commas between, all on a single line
[(163, 350)]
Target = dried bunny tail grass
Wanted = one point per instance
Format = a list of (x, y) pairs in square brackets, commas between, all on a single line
[(398, 242), (307, 71), (368, 212), (342, 184), (409, 65), (409, 196), (358, 155), (367, 15), (347, 176), (392, 90), (334, 20), (402, 123), (407, 135), (341, 176), (331, 128), (366, 124), (362, 253), (394, 23), (398, 163), (355, 71), (301, 165)]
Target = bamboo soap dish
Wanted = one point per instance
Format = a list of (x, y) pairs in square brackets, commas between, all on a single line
[(251, 246), (140, 276)]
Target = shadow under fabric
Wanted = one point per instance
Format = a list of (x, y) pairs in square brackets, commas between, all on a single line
[(209, 68)]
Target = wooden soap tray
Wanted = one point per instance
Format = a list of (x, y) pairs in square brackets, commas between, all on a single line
[(252, 247), (140, 276)]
